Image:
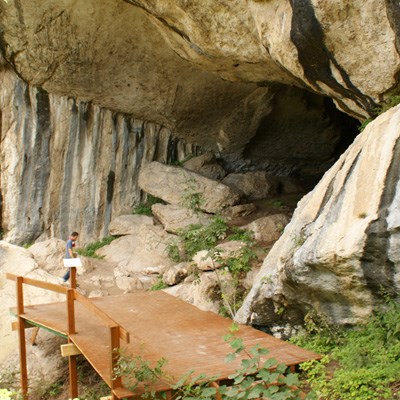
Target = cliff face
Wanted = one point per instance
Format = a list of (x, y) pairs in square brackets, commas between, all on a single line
[(68, 164)]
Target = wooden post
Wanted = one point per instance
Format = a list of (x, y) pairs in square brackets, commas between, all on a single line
[(114, 342), (73, 277), (73, 374), (21, 336), (34, 335)]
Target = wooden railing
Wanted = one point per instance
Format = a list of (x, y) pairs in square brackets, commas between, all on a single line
[(117, 332)]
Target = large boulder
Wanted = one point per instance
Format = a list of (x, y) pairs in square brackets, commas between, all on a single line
[(136, 252), (128, 224), (19, 261), (341, 251), (179, 186), (269, 228), (174, 218), (49, 256), (206, 165), (252, 185)]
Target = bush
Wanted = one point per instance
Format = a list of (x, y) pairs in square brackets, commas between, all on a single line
[(145, 208), (368, 358)]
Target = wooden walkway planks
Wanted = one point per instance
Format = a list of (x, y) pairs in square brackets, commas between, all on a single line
[(160, 325)]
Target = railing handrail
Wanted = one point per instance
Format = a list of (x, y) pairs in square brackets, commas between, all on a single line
[(92, 308), (40, 284)]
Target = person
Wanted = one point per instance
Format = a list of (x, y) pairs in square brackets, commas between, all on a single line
[(71, 243)]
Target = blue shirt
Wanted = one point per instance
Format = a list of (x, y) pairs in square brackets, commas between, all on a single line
[(70, 245)]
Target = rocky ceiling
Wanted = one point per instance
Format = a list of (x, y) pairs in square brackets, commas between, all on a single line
[(251, 80)]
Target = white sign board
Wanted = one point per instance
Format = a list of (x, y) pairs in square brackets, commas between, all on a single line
[(72, 262)]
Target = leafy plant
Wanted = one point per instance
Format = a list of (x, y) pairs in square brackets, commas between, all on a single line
[(90, 249), (159, 285), (367, 357), (241, 234), (198, 237), (173, 252), (136, 371), (145, 208)]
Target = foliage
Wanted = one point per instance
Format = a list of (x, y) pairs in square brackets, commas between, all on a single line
[(198, 237), (230, 272), (90, 249), (173, 252), (392, 101), (137, 371), (5, 394), (258, 377), (368, 359), (159, 285), (241, 234), (145, 208)]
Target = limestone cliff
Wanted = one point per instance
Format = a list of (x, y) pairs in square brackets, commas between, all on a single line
[(68, 164)]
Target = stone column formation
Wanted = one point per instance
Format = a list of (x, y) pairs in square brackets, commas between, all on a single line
[(69, 165)]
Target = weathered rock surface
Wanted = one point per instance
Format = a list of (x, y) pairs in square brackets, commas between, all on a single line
[(128, 224), (136, 252), (176, 274), (302, 43), (240, 210), (177, 186), (342, 244), (252, 185), (70, 165), (269, 228), (206, 165), (175, 218)]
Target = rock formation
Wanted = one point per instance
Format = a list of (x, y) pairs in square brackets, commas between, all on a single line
[(340, 254)]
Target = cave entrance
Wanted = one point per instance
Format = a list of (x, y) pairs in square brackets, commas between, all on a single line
[(302, 136)]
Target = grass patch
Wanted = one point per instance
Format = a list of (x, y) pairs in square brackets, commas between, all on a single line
[(90, 249)]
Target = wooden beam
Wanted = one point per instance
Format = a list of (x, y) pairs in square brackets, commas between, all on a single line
[(71, 311), (73, 277), (73, 377), (34, 335), (43, 285), (69, 350), (123, 333), (114, 342), (22, 339), (14, 325)]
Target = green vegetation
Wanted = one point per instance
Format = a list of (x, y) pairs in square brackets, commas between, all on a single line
[(159, 285), (145, 208), (367, 358), (90, 249), (392, 101), (241, 234), (198, 237), (258, 377)]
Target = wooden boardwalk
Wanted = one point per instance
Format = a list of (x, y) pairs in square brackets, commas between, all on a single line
[(157, 326)]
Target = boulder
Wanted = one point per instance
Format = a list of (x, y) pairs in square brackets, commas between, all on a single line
[(19, 261), (342, 247), (176, 274), (241, 210), (178, 186), (49, 256), (206, 165), (252, 185), (136, 252), (128, 224), (269, 228), (175, 218), (201, 293)]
